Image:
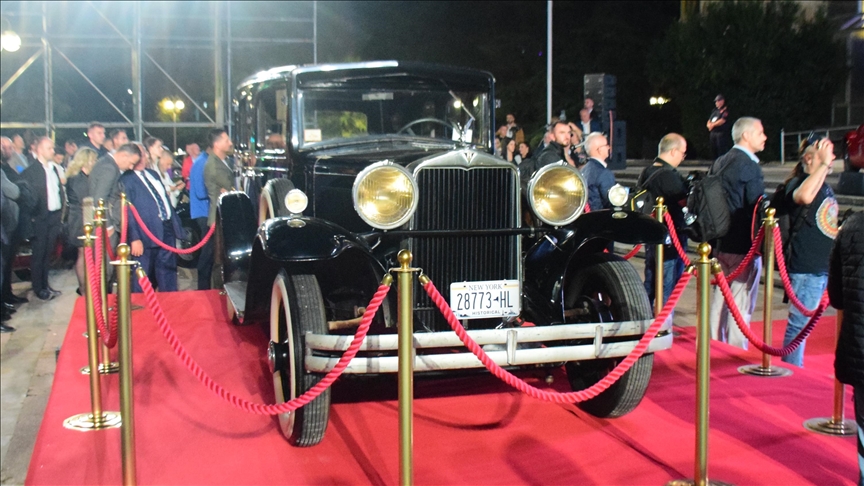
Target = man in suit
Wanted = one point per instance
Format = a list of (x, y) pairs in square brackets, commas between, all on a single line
[(96, 138), (598, 177), (218, 173), (105, 180), (144, 189), (743, 184), (44, 179), (588, 124)]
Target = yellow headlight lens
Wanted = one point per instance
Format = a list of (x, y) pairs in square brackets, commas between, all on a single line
[(557, 194), (385, 195)]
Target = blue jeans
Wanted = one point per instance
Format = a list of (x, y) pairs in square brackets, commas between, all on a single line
[(808, 288), (672, 270)]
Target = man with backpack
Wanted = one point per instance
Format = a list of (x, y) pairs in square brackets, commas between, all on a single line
[(744, 185), (661, 179), (812, 211)]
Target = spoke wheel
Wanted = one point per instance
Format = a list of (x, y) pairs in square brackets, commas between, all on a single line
[(610, 289), (297, 307)]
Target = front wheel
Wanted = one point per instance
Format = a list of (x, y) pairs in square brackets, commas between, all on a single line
[(297, 307), (610, 289)]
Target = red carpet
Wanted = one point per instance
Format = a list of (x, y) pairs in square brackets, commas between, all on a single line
[(467, 430)]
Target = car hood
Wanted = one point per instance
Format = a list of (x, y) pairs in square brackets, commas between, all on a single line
[(400, 151)]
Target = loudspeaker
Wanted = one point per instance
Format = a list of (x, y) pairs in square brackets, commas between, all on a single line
[(602, 89), (618, 155)]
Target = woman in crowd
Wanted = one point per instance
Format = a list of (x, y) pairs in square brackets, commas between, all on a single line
[(166, 162), (80, 213), (524, 152), (509, 150), (154, 149)]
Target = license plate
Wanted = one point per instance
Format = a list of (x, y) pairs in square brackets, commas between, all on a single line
[(481, 300)]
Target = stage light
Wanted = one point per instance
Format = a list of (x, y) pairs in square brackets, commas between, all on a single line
[(9, 41)]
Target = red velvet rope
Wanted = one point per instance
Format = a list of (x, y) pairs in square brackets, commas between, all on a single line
[(633, 252), (555, 397), (246, 405), (757, 242), (101, 236), (784, 275), (124, 229), (108, 335), (762, 346), (675, 241), (170, 248)]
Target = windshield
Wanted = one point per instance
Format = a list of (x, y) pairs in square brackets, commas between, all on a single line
[(333, 115)]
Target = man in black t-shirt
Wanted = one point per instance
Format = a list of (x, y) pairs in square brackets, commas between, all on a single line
[(662, 179), (719, 127), (813, 227)]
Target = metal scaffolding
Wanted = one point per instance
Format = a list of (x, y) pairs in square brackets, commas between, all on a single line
[(50, 40)]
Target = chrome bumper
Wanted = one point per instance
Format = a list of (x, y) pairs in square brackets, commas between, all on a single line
[(516, 343)]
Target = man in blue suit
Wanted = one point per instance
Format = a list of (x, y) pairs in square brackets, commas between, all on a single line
[(144, 189), (598, 177)]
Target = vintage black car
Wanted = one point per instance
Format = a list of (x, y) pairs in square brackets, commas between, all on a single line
[(384, 156)]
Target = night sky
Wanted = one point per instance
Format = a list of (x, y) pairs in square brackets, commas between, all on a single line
[(505, 38)]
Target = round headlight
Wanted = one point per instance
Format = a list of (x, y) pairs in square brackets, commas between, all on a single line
[(557, 193), (296, 201), (385, 195), (618, 195)]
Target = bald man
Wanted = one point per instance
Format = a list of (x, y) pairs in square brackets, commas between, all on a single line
[(597, 175), (662, 179)]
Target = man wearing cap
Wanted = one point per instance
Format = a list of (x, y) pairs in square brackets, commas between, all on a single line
[(719, 127)]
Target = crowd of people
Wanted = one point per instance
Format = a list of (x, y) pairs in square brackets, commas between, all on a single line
[(49, 193)]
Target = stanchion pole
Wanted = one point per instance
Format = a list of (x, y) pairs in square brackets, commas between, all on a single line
[(765, 369), (836, 425), (704, 268), (124, 300), (659, 211), (98, 419), (406, 368)]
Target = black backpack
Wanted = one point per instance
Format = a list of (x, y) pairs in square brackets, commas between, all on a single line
[(707, 215), (643, 201), (789, 220)]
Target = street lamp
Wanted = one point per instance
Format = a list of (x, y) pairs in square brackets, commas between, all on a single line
[(174, 107)]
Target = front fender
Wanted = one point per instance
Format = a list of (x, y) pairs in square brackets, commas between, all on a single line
[(301, 239), (557, 254)]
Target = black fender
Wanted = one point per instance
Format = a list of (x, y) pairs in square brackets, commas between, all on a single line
[(555, 258), (340, 260), (237, 225)]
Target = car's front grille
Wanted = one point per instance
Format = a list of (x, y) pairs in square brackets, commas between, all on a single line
[(456, 199)]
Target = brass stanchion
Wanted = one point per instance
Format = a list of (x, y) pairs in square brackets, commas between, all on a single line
[(406, 368), (659, 211), (106, 366), (98, 419), (704, 268), (124, 300), (765, 369), (835, 425)]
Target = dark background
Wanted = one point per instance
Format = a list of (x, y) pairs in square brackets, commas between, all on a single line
[(641, 43)]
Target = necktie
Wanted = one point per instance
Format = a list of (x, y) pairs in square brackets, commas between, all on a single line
[(163, 213)]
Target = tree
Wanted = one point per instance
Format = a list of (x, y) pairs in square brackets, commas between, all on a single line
[(768, 59)]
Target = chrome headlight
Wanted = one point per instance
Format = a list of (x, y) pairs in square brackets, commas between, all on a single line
[(557, 194), (618, 195), (385, 195), (296, 201)]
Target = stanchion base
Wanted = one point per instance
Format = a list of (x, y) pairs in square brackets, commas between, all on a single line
[(759, 370), (86, 421), (113, 367), (692, 482), (827, 426)]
